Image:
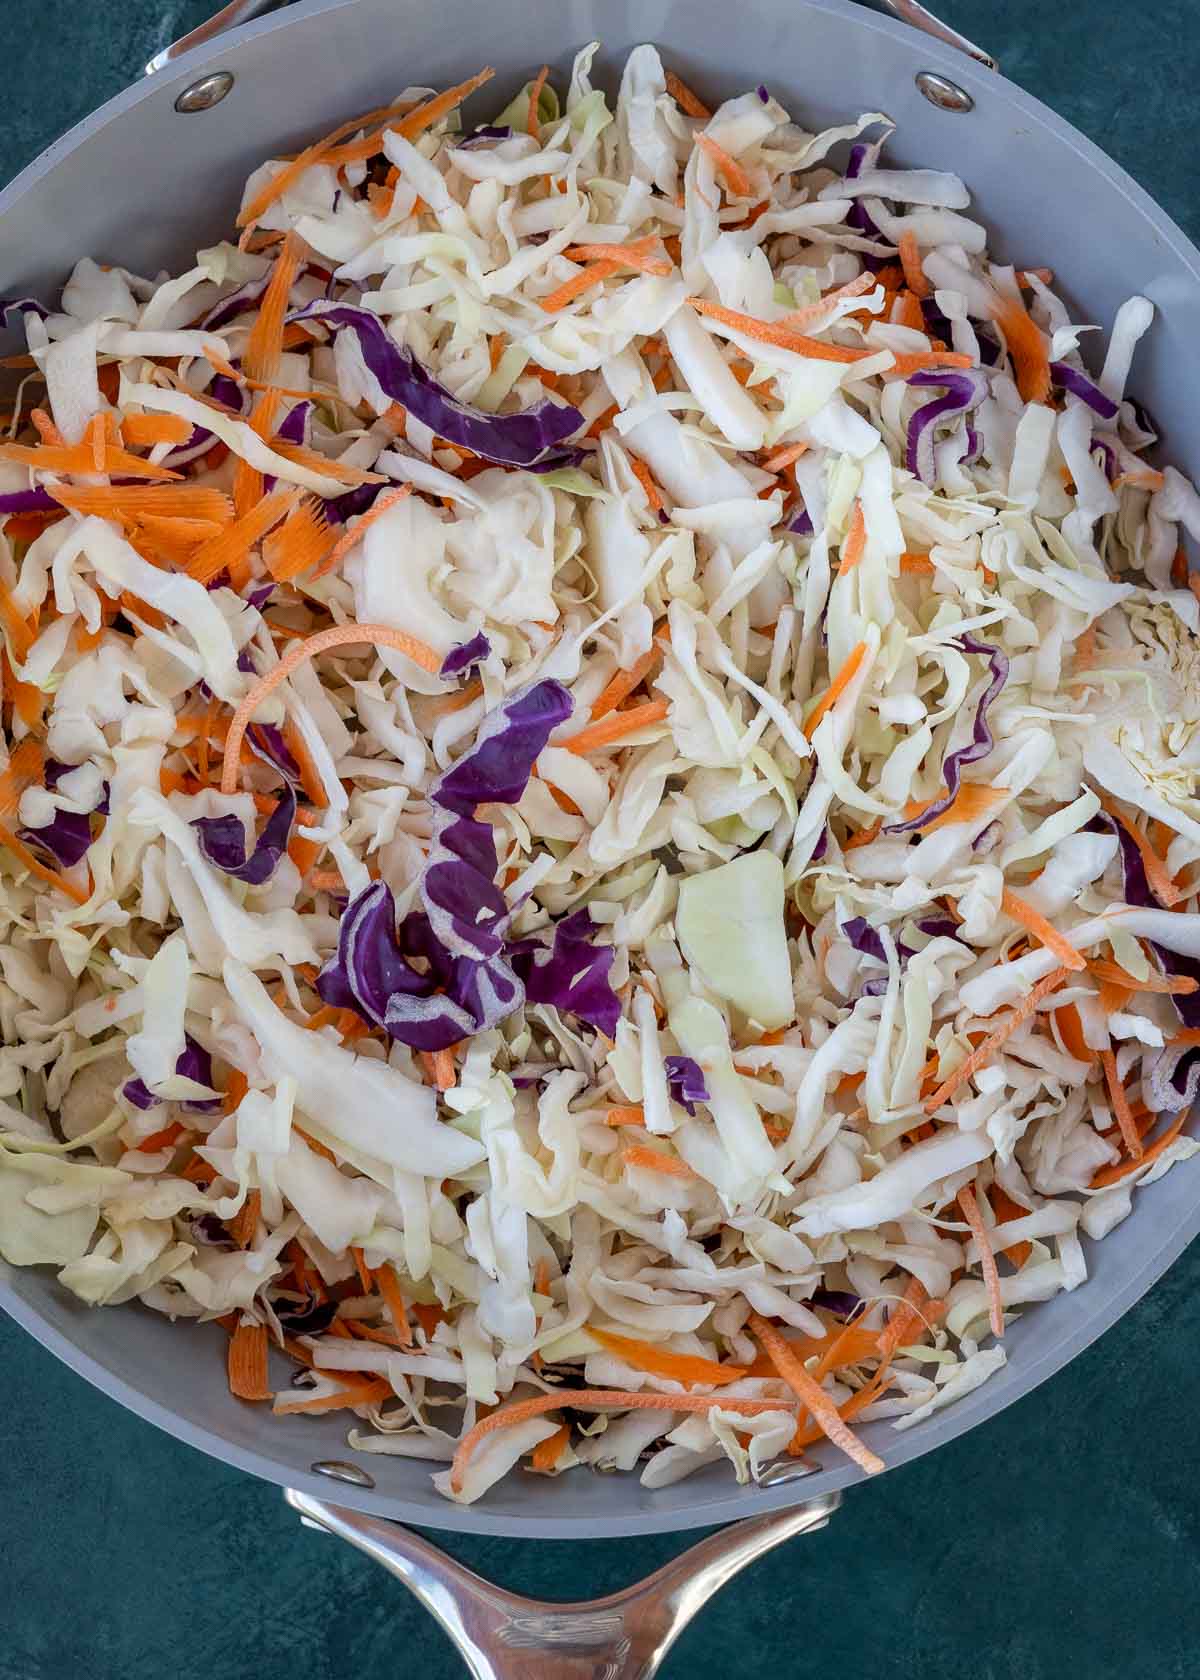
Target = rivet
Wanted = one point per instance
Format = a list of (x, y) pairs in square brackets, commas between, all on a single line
[(339, 1471), (942, 92), (207, 92), (774, 1474)]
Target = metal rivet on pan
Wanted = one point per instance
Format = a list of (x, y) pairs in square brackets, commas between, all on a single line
[(339, 1471), (774, 1474), (207, 92), (942, 92)]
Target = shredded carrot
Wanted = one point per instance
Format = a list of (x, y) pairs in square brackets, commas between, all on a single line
[(1070, 1030), (836, 689), (548, 1452), (1118, 1170), (45, 428), (906, 364), (444, 1076), (234, 543), (347, 540), (910, 262), (987, 1260), (365, 1280), (133, 501), (906, 312), (19, 630), (84, 459), (248, 484), (1122, 1112), (161, 1140), (314, 461), (303, 540), (774, 332), (916, 565), (236, 1087), (1169, 986), (642, 473), (1045, 932), (1157, 873), (244, 1223), (784, 457), (595, 1400), (247, 1363), (337, 635), (855, 544), (1140, 478), (144, 431), (535, 93), (369, 1391), (689, 103), (660, 1362), (1005, 1209), (616, 726), (984, 1052), (621, 685), (727, 167), (812, 1395), (639, 254), (1026, 347), (655, 1160), (972, 801), (625, 1114), (915, 1312), (412, 123), (570, 289), (388, 1285), (813, 313), (173, 541)]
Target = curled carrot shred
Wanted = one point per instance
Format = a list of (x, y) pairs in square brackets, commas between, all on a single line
[(987, 1260), (809, 1391)]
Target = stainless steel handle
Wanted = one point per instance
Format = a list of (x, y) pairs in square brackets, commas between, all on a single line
[(911, 11), (502, 1636), (241, 11), (238, 11)]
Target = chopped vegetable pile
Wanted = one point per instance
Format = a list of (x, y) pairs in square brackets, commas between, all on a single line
[(600, 831)]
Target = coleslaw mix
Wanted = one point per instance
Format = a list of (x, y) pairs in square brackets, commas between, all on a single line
[(600, 826)]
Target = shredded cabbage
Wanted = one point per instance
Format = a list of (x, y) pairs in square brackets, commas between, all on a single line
[(748, 859)]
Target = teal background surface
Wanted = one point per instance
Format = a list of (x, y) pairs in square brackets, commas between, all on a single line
[(1063, 1538)]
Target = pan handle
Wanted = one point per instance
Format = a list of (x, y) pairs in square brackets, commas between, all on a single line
[(501, 1636), (238, 11), (241, 11)]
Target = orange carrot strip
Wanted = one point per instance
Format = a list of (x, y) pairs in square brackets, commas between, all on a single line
[(83, 460), (689, 103), (1168, 986), (638, 254), (644, 477), (680, 1367), (143, 431), (784, 457), (236, 1087), (247, 1362), (132, 501), (856, 541), (244, 1223), (910, 262), (1026, 347), (310, 779), (906, 364), (581, 282), (535, 93), (248, 483), (369, 1392), (987, 1260), (303, 540), (412, 123), (774, 332), (45, 427), (616, 726), (915, 1312), (366, 1282), (916, 565), (236, 541), (174, 541), (654, 1160), (347, 540), (444, 1075), (1006, 1209), (836, 688), (17, 628), (161, 1140), (1117, 1170), (727, 167), (1157, 873), (1141, 478), (1070, 1030), (972, 801), (1045, 932), (625, 1114), (337, 635), (813, 1396), (318, 463), (548, 1452), (1122, 1112), (985, 1051), (812, 313), (596, 1400), (620, 686), (388, 1285)]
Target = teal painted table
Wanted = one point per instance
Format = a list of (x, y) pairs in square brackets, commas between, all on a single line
[(1063, 1538)]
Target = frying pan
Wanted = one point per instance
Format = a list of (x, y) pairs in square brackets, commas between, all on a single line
[(154, 175)]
